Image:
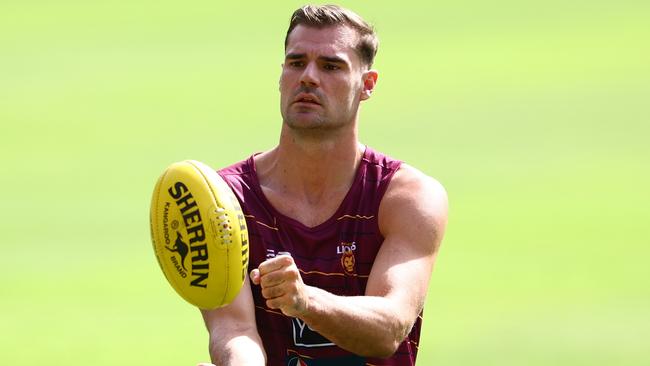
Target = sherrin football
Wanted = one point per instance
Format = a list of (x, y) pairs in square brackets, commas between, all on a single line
[(199, 234)]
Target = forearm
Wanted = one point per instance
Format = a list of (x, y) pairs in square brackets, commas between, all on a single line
[(243, 349), (365, 325)]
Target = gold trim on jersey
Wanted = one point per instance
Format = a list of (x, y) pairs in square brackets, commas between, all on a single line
[(333, 274), (269, 310), (298, 354), (356, 217), (263, 224)]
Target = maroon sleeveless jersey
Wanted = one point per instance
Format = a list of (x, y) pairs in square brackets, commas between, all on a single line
[(336, 256)]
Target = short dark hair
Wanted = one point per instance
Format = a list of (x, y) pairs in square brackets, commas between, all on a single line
[(321, 16)]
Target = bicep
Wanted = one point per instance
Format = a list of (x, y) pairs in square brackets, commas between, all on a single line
[(413, 216)]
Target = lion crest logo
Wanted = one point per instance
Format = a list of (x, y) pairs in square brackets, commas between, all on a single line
[(348, 261)]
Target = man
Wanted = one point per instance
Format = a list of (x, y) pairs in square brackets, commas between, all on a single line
[(343, 239)]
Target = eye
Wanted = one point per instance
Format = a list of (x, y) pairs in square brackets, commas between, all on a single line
[(331, 67), (296, 64)]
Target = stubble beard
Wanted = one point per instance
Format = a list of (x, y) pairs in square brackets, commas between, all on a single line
[(318, 126)]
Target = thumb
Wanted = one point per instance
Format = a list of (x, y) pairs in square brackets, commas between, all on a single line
[(255, 276)]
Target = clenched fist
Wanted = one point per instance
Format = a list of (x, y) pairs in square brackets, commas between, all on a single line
[(282, 285)]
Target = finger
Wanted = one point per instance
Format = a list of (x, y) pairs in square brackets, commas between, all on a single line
[(255, 276), (274, 264), (275, 278), (276, 303), (283, 303), (273, 292)]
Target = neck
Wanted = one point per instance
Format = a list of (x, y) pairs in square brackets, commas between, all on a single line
[(311, 168)]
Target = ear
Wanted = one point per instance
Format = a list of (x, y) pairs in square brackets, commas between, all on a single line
[(280, 78), (369, 82)]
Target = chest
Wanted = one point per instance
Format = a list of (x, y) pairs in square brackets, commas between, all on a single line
[(334, 242), (337, 255), (310, 213)]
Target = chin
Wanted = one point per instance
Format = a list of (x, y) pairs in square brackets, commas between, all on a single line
[(315, 129), (305, 121)]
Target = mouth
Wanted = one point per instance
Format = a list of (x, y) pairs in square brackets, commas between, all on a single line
[(305, 98)]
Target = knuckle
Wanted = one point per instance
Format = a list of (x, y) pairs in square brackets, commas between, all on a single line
[(264, 281), (262, 269), (294, 274), (269, 280), (274, 292), (274, 303), (295, 287), (290, 286)]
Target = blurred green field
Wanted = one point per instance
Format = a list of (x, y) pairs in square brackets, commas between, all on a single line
[(534, 115)]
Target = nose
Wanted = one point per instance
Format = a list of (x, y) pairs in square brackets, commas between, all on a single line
[(309, 75)]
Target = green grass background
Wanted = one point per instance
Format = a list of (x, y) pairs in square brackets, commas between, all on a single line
[(535, 116)]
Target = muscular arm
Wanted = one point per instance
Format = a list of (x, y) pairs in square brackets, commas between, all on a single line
[(412, 218), (234, 339)]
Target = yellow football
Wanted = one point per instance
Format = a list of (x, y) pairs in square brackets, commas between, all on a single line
[(199, 234)]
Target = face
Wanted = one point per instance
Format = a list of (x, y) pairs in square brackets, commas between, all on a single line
[(323, 79)]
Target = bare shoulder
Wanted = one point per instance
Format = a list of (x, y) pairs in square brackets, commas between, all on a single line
[(414, 200)]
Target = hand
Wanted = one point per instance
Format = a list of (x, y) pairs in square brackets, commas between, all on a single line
[(282, 285)]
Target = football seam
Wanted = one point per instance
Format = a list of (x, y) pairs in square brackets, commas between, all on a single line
[(214, 199)]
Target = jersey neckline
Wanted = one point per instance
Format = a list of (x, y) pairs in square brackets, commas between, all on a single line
[(359, 174)]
